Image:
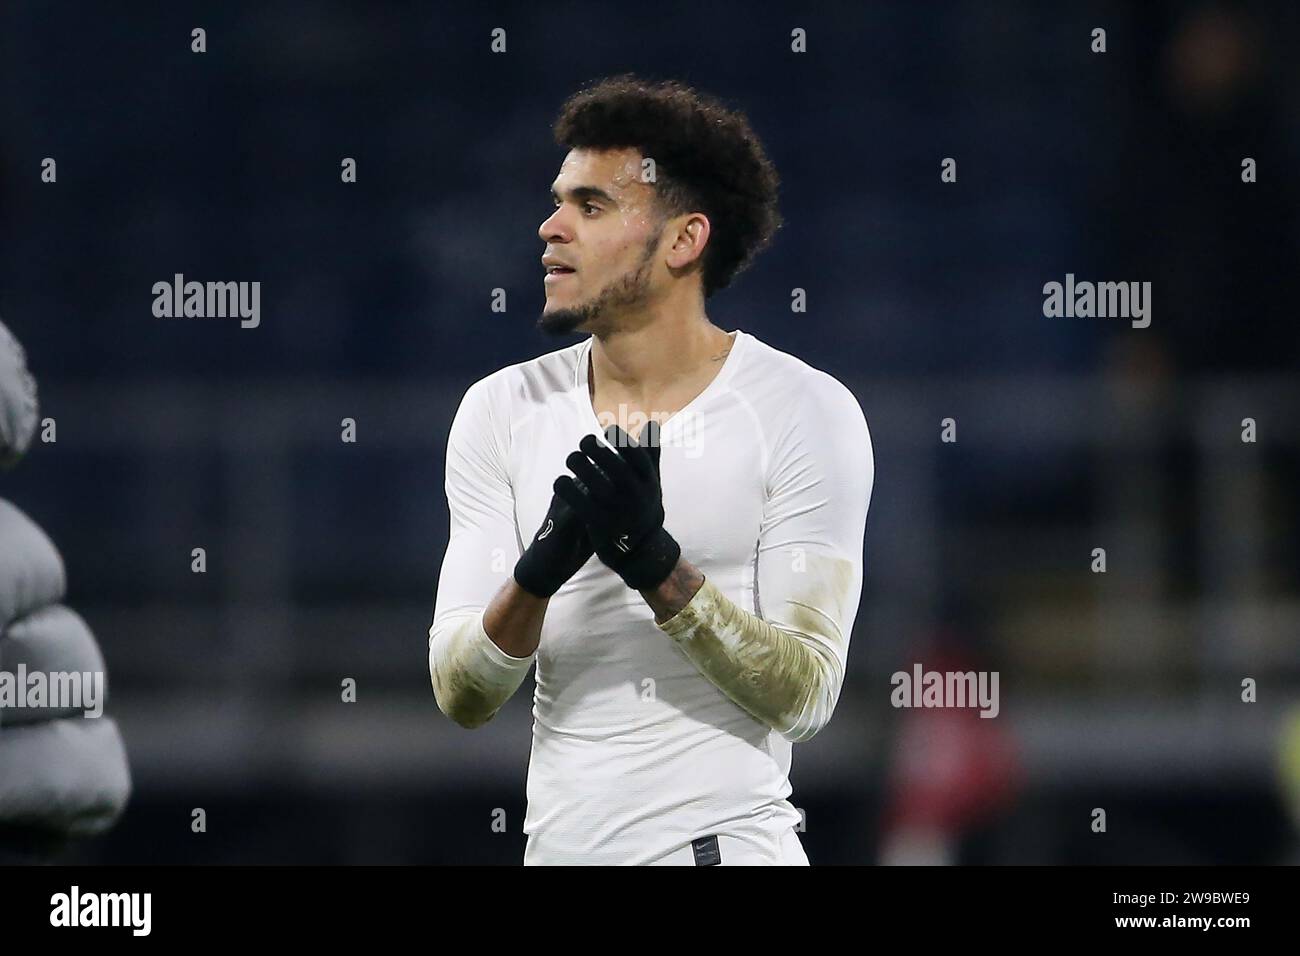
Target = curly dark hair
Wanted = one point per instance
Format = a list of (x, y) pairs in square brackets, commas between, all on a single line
[(707, 159)]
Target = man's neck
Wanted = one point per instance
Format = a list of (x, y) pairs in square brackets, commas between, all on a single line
[(646, 361)]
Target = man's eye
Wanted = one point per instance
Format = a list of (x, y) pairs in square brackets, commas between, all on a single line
[(587, 208)]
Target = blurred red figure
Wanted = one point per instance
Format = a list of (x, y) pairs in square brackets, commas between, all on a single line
[(952, 770)]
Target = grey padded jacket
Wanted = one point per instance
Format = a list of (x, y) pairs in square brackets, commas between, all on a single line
[(61, 773)]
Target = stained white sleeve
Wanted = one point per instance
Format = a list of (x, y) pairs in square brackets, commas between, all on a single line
[(809, 561), (471, 676), (785, 663)]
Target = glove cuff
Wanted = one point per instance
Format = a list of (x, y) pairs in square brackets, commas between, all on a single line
[(648, 564), (534, 578)]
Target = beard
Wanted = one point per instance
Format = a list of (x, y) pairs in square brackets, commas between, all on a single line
[(630, 290)]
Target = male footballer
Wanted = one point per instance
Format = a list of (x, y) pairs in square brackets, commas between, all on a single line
[(668, 518)]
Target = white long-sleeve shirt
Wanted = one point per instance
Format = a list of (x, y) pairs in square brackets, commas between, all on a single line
[(767, 476)]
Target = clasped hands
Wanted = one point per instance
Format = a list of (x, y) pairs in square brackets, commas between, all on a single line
[(611, 506)]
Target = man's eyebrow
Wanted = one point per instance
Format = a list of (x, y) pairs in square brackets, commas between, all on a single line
[(582, 193)]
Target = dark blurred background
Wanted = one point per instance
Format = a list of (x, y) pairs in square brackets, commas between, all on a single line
[(1119, 690)]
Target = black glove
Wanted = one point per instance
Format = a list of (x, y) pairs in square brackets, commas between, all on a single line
[(560, 547), (619, 499)]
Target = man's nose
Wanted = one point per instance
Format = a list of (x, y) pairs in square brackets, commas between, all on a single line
[(554, 228)]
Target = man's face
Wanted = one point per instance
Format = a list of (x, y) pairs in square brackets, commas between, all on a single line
[(605, 230)]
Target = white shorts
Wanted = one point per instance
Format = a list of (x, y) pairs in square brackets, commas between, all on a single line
[(737, 851)]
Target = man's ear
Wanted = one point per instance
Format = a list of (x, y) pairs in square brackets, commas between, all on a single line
[(690, 241)]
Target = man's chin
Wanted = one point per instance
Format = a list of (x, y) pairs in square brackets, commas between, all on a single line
[(562, 321)]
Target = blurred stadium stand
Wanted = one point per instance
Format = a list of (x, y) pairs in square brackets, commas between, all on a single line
[(1119, 690)]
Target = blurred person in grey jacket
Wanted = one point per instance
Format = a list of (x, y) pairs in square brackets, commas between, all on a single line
[(63, 768)]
